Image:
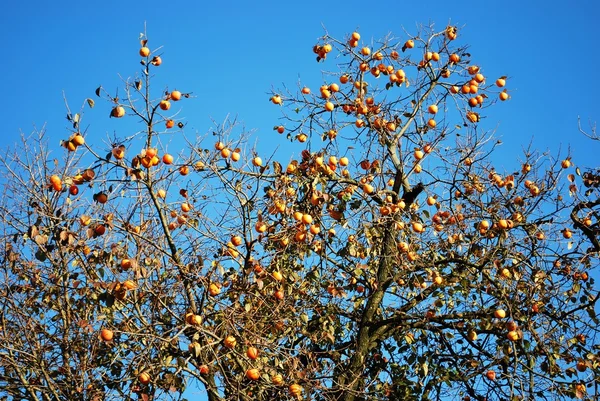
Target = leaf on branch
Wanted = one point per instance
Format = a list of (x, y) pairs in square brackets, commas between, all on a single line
[(195, 349), (40, 255), (98, 89), (40, 239), (90, 102)]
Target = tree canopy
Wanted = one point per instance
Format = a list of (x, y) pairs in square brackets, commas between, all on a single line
[(388, 258)]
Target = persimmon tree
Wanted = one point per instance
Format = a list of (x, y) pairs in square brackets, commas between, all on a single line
[(386, 258)]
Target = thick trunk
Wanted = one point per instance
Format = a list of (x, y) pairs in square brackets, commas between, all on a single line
[(350, 381)]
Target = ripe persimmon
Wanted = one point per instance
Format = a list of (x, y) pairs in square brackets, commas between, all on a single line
[(101, 197), (230, 342), (100, 230), (277, 379), (70, 146), (167, 158), (144, 378), (307, 218), (500, 313), (164, 105), (253, 374), (252, 353), (118, 112), (78, 139), (56, 182), (156, 61), (473, 69), (144, 52), (513, 335), (260, 227), (106, 335), (295, 390), (225, 153), (214, 289), (417, 227), (126, 264), (175, 95), (257, 161), (118, 152), (236, 240)]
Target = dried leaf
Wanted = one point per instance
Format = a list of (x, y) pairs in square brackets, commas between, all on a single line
[(40, 239), (90, 102)]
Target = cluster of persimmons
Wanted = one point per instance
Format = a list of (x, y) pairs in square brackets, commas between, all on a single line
[(373, 134)]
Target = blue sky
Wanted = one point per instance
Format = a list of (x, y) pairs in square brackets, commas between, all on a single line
[(231, 53)]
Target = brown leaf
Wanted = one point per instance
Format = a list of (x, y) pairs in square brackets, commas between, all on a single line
[(33, 231), (40, 239)]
